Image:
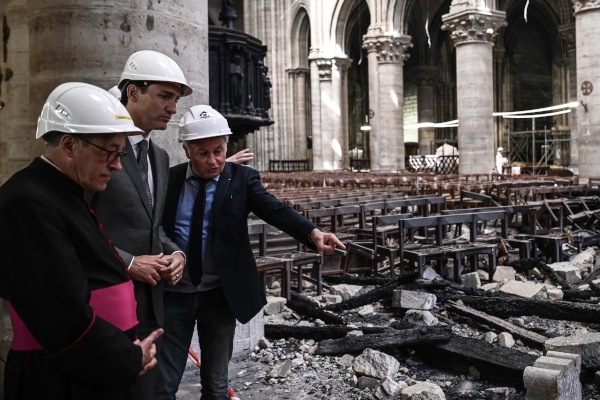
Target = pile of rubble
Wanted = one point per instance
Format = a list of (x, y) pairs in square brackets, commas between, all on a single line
[(529, 334)]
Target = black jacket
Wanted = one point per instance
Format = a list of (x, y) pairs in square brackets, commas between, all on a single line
[(238, 192)]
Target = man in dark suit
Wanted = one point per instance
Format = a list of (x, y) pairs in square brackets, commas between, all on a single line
[(132, 204), (206, 214)]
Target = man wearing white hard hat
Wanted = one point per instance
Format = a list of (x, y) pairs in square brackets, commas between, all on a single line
[(71, 301), (132, 204), (500, 160), (206, 214)]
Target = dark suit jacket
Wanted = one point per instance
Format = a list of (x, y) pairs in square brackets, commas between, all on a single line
[(134, 227), (238, 192)]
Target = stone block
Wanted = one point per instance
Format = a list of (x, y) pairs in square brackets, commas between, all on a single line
[(490, 337), (554, 293), (587, 345), (413, 300), (246, 335), (483, 275), (388, 389), (525, 290), (471, 280), (346, 291), (421, 318), (554, 376), (585, 257), (367, 382), (430, 274), (281, 370), (375, 364), (505, 339), (274, 305), (567, 271), (503, 272), (346, 360), (492, 287), (423, 390)]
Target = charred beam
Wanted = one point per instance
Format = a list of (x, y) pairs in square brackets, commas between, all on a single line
[(372, 296), (308, 309), (404, 338), (530, 338), (551, 309), (318, 333), (494, 363)]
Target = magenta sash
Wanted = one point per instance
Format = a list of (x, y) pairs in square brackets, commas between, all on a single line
[(114, 304)]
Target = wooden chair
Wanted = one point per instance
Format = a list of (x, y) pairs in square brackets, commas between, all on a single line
[(382, 228)]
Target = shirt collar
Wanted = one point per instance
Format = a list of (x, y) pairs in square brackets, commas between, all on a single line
[(190, 173), (135, 139), (43, 157)]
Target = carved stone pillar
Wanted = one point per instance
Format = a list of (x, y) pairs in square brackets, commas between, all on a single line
[(329, 112), (567, 33), (473, 30), (101, 37), (426, 77), (299, 78), (587, 32), (386, 54)]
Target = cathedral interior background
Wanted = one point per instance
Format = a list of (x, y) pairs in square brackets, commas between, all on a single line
[(319, 74)]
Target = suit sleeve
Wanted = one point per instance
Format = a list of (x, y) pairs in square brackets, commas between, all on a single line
[(169, 246), (47, 286), (275, 213)]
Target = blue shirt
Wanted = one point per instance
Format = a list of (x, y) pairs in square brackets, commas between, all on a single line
[(183, 223)]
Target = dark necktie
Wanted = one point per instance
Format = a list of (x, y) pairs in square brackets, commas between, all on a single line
[(194, 261), (143, 163)]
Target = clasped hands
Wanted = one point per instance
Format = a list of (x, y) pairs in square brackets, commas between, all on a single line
[(151, 269)]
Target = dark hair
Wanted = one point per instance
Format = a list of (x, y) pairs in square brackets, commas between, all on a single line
[(143, 85)]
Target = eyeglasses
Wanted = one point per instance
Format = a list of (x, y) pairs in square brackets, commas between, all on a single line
[(112, 154)]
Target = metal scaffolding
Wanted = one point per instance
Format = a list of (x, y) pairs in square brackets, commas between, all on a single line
[(537, 150)]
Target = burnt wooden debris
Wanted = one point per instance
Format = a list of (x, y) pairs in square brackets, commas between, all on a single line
[(528, 253), (382, 292), (317, 333), (305, 307), (551, 309), (532, 339), (390, 339), (493, 362)]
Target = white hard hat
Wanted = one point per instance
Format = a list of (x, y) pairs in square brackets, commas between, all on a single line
[(500, 149), (152, 66), (201, 122), (115, 92), (80, 108)]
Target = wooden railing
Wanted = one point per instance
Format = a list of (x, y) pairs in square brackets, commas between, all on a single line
[(288, 165)]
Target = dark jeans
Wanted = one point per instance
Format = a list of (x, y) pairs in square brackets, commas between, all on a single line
[(210, 313)]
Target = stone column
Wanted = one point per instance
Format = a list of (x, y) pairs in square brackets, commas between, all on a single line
[(17, 132), (340, 145), (299, 100), (567, 33), (386, 54), (70, 40), (473, 31), (426, 78), (587, 32), (328, 112)]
